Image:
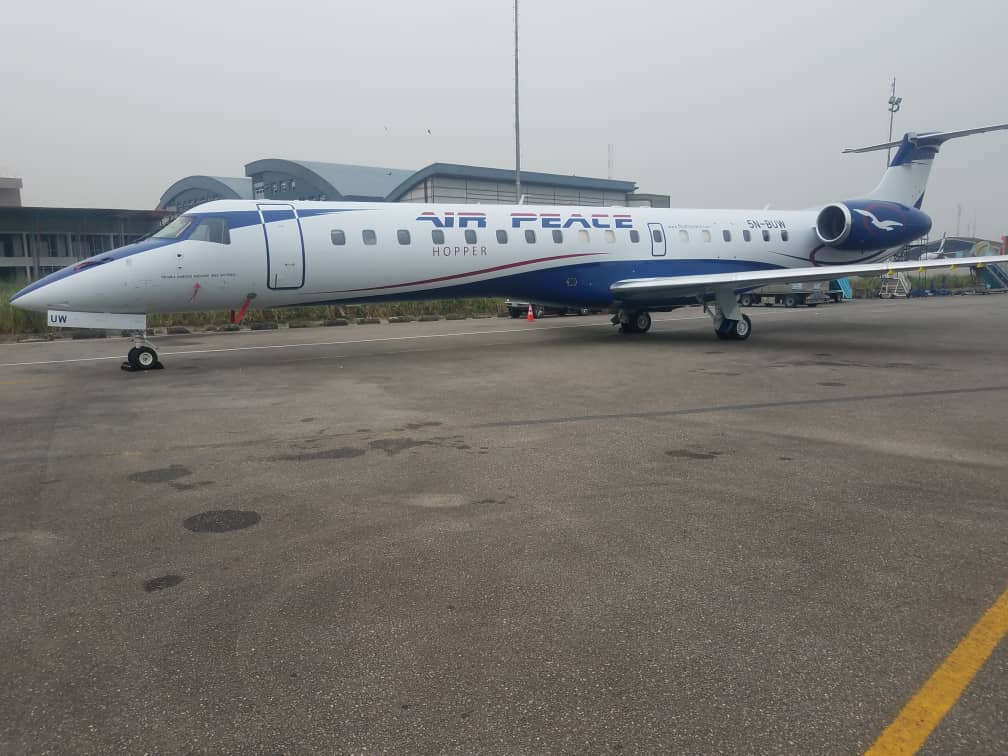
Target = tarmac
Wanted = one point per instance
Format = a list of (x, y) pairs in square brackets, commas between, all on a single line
[(496, 536)]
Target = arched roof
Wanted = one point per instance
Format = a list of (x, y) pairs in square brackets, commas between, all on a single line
[(453, 170), (221, 187), (337, 180)]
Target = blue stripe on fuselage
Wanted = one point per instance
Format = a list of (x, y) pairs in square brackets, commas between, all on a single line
[(581, 284)]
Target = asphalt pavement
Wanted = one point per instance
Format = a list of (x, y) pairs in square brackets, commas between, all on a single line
[(496, 536)]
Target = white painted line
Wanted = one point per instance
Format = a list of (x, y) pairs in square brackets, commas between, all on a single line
[(526, 329)]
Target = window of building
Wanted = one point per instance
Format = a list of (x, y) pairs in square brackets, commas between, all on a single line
[(369, 236), (470, 236), (322, 197), (766, 235), (584, 237), (338, 237), (726, 235), (684, 236), (656, 234), (212, 230), (784, 235), (283, 186), (274, 187), (293, 184), (530, 236), (501, 236), (557, 236), (634, 235), (746, 235), (610, 236), (403, 236), (705, 235), (437, 236)]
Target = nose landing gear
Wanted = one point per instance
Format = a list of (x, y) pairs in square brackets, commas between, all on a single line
[(142, 356)]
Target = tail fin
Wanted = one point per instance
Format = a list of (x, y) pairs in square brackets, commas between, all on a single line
[(906, 178)]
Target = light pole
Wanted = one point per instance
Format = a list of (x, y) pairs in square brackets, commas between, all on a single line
[(894, 106), (517, 123)]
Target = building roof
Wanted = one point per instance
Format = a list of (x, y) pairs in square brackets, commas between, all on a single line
[(453, 170), (337, 180), (224, 187)]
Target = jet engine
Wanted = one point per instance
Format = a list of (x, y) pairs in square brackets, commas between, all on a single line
[(867, 225)]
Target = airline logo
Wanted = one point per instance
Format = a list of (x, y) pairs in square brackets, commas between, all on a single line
[(887, 225), (452, 219)]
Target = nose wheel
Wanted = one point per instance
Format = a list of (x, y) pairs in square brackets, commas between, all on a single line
[(142, 357)]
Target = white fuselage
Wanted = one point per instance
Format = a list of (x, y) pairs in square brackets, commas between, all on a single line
[(285, 254)]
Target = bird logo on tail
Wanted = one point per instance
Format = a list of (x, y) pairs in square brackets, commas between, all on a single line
[(888, 225)]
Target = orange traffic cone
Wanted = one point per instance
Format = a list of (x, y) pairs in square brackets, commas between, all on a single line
[(530, 317)]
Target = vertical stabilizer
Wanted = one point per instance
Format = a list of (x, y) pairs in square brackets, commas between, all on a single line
[(905, 180)]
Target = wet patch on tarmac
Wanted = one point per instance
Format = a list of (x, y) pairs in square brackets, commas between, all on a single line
[(418, 426), (220, 521), (393, 446), (160, 583), (690, 454), (191, 486), (831, 383), (307, 419), (449, 501), (161, 474), (342, 452), (785, 459)]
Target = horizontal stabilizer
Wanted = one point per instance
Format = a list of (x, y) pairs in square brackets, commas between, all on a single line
[(643, 288), (933, 138)]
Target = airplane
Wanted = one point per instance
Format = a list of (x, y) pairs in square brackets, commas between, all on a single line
[(227, 254)]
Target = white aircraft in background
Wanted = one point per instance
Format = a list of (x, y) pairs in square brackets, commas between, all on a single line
[(224, 255)]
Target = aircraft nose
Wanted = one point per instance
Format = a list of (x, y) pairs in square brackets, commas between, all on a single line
[(29, 298)]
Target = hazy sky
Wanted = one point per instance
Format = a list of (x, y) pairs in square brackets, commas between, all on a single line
[(723, 104)]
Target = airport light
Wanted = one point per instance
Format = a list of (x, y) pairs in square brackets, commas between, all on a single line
[(517, 126), (894, 106)]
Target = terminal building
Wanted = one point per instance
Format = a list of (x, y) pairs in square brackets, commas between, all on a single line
[(35, 241)]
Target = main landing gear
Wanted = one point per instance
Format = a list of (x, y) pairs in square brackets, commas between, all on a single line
[(730, 323), (142, 356), (635, 321)]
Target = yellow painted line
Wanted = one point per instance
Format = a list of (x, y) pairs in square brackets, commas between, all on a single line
[(932, 702)]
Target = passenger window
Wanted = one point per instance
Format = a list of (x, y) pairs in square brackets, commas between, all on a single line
[(610, 236), (530, 236), (501, 236), (784, 235), (470, 236), (437, 236), (726, 235), (338, 237), (766, 235), (656, 234), (746, 235), (403, 236), (584, 237), (370, 237), (212, 230), (634, 235), (705, 235), (684, 236), (557, 236)]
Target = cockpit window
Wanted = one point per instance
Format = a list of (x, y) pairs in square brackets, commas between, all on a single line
[(212, 230), (176, 228)]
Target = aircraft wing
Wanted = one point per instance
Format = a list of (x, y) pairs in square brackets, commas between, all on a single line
[(643, 288)]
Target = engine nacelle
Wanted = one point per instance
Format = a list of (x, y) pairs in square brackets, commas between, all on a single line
[(869, 225)]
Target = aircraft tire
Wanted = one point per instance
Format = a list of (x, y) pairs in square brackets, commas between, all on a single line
[(642, 321), (143, 358), (742, 329), (538, 312), (790, 301)]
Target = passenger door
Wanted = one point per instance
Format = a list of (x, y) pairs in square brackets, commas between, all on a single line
[(657, 234), (285, 254)]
